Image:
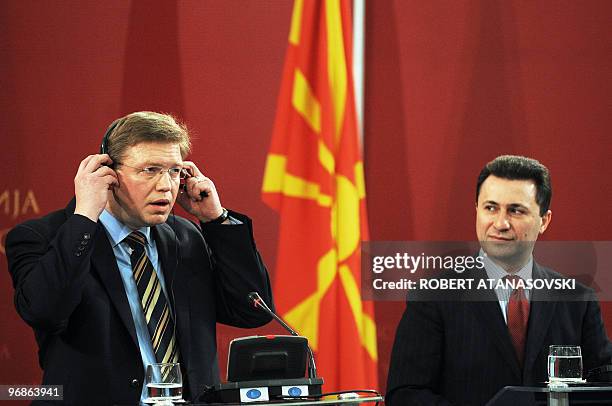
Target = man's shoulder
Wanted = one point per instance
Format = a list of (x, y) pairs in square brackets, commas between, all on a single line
[(45, 226), (574, 291)]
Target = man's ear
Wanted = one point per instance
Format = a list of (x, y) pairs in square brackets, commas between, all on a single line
[(546, 218)]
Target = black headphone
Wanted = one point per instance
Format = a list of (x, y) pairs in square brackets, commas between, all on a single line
[(109, 130)]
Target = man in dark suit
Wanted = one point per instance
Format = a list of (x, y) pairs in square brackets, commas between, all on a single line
[(115, 281), (462, 347)]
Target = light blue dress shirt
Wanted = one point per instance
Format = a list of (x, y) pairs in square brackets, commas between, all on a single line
[(116, 233)]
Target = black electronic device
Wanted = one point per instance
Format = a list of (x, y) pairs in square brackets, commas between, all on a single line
[(600, 374), (267, 368), (267, 357), (268, 390), (259, 303)]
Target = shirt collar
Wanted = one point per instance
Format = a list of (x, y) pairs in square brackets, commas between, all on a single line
[(117, 231), (496, 272)]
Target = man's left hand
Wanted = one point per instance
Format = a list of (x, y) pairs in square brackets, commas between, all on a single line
[(204, 208)]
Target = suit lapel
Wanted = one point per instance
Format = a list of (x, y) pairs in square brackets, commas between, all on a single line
[(165, 241), (541, 313), (105, 265), (488, 311)]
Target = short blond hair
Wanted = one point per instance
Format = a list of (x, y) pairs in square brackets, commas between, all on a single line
[(146, 126)]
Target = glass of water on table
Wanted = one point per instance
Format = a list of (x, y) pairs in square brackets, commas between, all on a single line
[(564, 364), (164, 383)]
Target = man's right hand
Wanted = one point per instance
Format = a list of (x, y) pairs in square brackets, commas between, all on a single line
[(91, 185)]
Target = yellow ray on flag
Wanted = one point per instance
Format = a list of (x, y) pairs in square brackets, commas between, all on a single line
[(314, 180)]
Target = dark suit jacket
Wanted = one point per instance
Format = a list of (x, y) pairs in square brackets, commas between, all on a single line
[(68, 288), (459, 351)]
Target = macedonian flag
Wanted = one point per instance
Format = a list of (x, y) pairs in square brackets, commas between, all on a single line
[(314, 179)]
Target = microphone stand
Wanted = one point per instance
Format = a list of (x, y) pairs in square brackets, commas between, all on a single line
[(259, 303)]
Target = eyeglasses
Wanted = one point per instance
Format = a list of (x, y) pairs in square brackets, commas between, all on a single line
[(151, 172)]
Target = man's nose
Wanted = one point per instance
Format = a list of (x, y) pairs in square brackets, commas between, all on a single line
[(164, 181), (501, 221)]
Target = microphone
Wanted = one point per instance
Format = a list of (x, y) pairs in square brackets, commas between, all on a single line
[(259, 303)]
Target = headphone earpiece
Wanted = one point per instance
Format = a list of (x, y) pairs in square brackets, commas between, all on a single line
[(104, 144)]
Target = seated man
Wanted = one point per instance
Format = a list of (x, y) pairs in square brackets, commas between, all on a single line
[(462, 352), (115, 281)]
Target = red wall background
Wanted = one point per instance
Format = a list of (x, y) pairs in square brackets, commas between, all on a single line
[(449, 85)]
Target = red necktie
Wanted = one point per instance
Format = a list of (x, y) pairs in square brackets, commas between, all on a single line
[(518, 316)]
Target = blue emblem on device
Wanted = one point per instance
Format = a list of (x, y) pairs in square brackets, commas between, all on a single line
[(254, 394), (293, 391)]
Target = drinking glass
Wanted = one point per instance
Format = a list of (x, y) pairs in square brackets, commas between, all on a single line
[(564, 364), (164, 383)]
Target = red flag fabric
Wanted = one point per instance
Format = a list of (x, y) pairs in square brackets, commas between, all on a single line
[(314, 179)]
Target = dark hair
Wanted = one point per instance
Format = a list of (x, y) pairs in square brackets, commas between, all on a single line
[(515, 167)]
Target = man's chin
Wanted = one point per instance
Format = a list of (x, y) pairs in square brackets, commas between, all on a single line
[(498, 247), (507, 252), (156, 218)]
